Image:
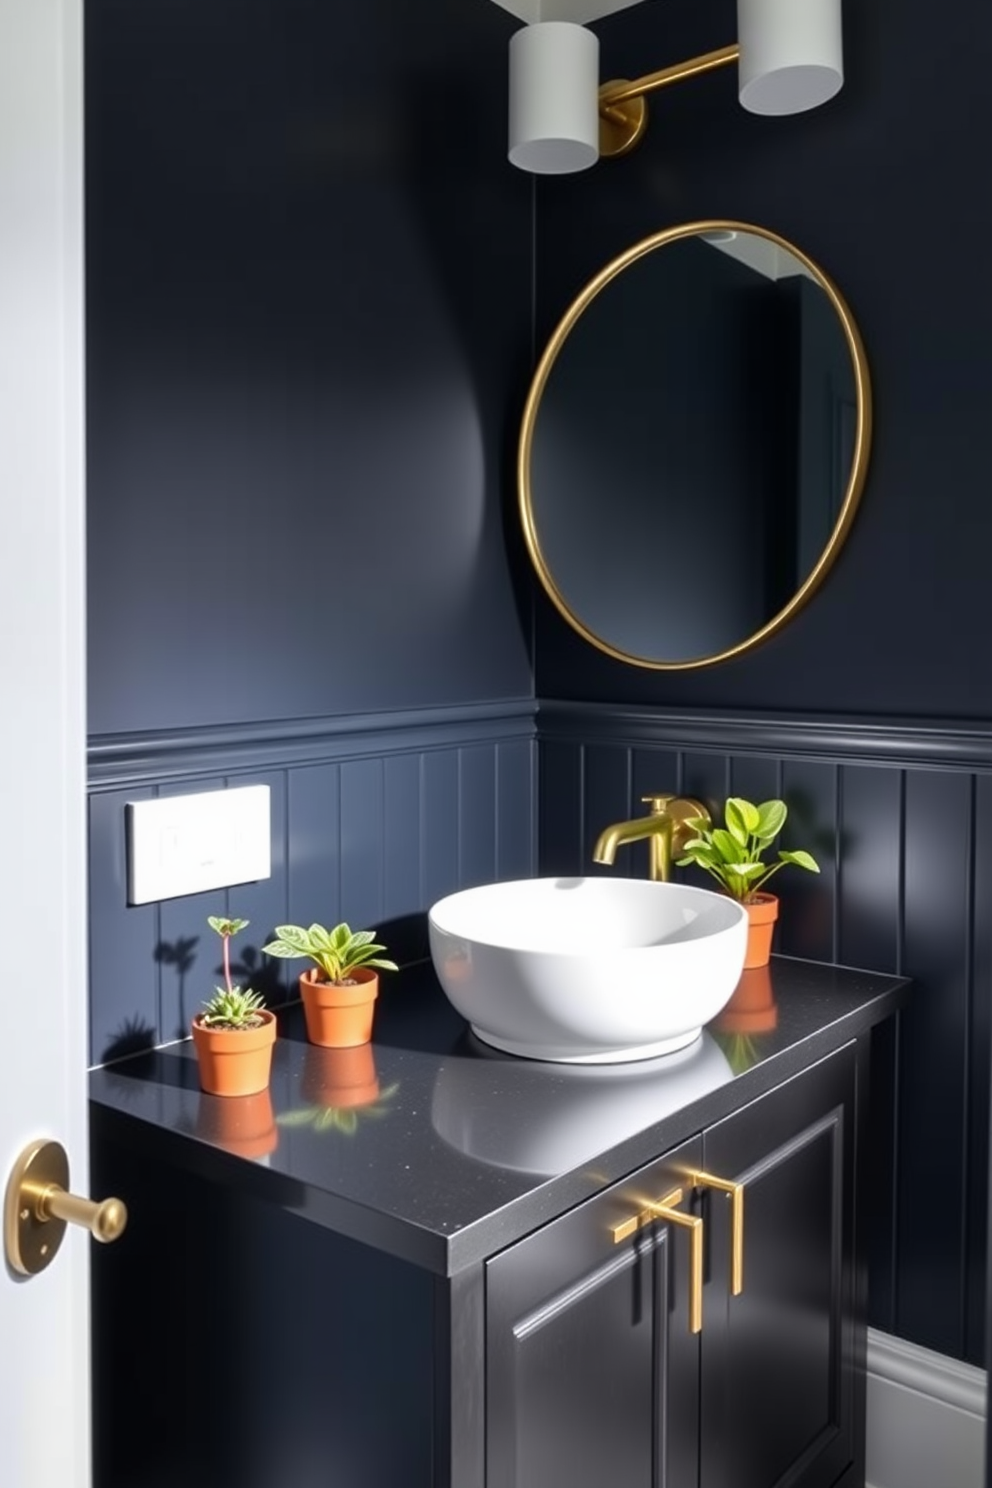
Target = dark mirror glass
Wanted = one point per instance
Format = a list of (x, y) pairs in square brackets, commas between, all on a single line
[(694, 445)]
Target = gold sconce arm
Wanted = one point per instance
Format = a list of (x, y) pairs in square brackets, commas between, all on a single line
[(623, 114)]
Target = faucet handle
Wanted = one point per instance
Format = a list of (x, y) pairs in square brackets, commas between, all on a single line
[(657, 803)]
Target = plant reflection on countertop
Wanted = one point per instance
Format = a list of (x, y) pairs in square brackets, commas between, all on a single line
[(344, 1119), (741, 1050), (340, 1086)]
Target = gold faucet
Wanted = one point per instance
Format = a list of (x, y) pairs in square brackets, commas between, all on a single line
[(667, 828)]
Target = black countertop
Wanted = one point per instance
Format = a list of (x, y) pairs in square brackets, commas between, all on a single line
[(433, 1147)]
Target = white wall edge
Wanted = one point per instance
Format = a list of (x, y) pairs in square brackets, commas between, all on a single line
[(926, 1417)]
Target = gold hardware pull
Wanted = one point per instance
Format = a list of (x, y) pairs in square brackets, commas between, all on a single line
[(736, 1193), (665, 1209), (38, 1207)]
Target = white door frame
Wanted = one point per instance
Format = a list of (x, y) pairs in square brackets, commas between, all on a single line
[(44, 1322)]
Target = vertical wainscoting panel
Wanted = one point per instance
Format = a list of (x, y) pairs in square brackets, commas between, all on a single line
[(607, 798), (561, 819), (516, 808), (313, 877), (263, 904), (369, 824), (934, 1089), (900, 819), (978, 1342), (361, 843), (477, 824), (439, 834), (123, 970), (809, 930)]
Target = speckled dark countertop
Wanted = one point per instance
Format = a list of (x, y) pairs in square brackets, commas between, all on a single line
[(453, 1150)]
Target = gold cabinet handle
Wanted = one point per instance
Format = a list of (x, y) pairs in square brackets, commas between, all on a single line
[(38, 1207), (736, 1193), (665, 1209)]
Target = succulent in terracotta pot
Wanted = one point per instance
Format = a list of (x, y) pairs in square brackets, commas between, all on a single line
[(339, 993), (235, 1032), (735, 856)]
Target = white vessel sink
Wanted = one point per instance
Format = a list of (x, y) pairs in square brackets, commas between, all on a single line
[(587, 970)]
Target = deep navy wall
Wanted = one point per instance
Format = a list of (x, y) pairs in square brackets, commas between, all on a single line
[(887, 187), (308, 303), (308, 328)]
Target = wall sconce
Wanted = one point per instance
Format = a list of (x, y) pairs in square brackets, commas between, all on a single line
[(789, 52)]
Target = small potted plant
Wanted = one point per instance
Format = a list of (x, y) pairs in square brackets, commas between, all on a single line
[(340, 990), (235, 1032), (734, 856)]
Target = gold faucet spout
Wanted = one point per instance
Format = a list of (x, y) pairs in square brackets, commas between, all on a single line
[(666, 829)]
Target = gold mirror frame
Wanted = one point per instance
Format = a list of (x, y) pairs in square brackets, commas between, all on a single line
[(855, 483)]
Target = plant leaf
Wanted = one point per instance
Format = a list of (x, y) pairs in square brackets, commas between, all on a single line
[(294, 935), (363, 938), (801, 860), (727, 846), (741, 818), (282, 948), (319, 939), (772, 819)]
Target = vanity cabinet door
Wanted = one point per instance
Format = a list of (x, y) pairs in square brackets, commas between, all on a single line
[(778, 1367), (592, 1372)]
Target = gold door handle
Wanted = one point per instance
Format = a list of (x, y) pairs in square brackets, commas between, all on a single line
[(38, 1207), (665, 1209), (736, 1194)]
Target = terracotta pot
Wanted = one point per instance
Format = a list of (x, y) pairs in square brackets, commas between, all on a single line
[(235, 1061), (339, 1017), (340, 1078), (244, 1124), (762, 912), (752, 1008)]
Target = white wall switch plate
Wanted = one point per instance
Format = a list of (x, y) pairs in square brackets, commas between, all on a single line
[(186, 844)]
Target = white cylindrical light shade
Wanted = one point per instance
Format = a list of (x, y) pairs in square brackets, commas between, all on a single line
[(791, 54), (554, 98)]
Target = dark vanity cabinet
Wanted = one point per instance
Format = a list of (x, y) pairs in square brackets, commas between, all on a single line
[(593, 1375), (471, 1285)]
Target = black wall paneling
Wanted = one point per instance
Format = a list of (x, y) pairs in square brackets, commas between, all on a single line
[(903, 833), (369, 827)]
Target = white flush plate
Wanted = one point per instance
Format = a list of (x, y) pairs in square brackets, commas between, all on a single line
[(186, 844), (579, 11)]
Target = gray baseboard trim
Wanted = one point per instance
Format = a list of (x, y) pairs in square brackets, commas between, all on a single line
[(926, 1418)]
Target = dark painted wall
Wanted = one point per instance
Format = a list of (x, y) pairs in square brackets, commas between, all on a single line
[(308, 303), (887, 187), (309, 328)]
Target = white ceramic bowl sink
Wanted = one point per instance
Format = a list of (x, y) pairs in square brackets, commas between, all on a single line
[(588, 970)]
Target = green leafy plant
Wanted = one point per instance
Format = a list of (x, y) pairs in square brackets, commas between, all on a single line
[(230, 1007), (336, 952), (734, 854)]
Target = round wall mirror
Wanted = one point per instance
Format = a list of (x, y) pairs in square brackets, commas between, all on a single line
[(694, 445)]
